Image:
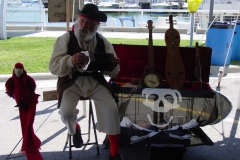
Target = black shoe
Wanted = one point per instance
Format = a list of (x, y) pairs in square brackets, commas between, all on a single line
[(116, 157), (77, 139)]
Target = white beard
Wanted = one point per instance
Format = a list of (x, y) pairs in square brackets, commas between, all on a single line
[(83, 36)]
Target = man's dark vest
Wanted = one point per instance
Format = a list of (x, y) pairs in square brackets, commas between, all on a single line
[(73, 47)]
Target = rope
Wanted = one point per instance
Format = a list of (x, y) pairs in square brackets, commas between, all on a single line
[(230, 45), (231, 36), (213, 20)]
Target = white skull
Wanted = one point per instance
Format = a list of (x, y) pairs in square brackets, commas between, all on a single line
[(154, 105)]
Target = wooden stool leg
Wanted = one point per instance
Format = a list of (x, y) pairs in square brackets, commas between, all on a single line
[(70, 145), (91, 116), (90, 120)]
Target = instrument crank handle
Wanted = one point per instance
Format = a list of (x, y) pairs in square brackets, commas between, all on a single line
[(200, 86)]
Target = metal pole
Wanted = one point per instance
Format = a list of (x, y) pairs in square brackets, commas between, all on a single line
[(42, 15), (3, 33), (81, 4), (211, 11), (238, 104), (192, 28), (67, 15)]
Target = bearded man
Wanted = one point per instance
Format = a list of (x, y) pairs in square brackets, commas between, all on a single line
[(68, 61)]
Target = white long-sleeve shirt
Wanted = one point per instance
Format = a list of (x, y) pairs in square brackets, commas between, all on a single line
[(60, 63)]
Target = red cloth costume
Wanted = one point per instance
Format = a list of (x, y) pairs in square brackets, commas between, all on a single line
[(22, 87)]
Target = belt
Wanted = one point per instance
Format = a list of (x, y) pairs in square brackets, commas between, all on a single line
[(77, 73)]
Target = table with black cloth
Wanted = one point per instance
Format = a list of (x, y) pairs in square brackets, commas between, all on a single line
[(205, 105)]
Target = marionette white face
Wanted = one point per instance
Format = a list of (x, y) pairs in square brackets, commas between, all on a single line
[(18, 72)]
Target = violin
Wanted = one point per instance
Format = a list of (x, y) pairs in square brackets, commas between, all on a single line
[(174, 67)]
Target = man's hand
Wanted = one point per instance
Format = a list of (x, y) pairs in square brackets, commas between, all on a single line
[(79, 60)]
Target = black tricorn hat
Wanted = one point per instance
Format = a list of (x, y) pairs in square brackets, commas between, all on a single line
[(91, 11)]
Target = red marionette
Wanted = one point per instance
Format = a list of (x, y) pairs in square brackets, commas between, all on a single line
[(22, 87)]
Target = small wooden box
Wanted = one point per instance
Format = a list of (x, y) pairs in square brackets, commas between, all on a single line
[(50, 95), (167, 152)]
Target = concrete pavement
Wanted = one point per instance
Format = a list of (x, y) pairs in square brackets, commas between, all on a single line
[(51, 131), (109, 34)]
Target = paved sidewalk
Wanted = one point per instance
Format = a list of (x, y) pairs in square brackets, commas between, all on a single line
[(127, 35), (51, 131)]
